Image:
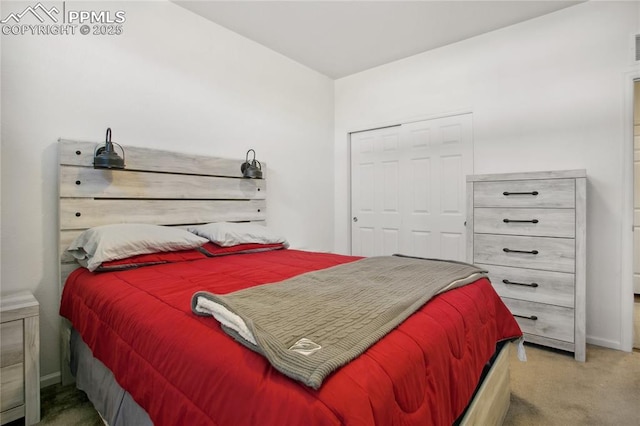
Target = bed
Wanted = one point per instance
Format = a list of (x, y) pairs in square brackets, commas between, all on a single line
[(134, 344)]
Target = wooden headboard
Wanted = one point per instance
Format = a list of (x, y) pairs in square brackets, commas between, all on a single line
[(157, 187)]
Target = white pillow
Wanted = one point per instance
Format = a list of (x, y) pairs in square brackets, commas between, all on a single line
[(119, 241), (228, 234)]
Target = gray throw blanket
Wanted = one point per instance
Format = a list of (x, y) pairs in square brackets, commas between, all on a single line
[(310, 325)]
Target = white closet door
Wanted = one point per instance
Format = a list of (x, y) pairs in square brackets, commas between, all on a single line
[(438, 156), (408, 188), (375, 189)]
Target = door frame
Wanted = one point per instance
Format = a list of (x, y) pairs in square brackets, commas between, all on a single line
[(626, 231), (382, 125)]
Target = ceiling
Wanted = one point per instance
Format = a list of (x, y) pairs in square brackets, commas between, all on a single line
[(339, 38)]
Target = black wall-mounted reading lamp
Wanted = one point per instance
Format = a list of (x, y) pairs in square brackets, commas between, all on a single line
[(105, 157), (253, 169)]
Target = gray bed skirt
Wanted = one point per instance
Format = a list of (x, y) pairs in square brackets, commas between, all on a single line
[(114, 404)]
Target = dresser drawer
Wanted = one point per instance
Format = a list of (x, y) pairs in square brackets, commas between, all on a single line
[(553, 288), (11, 343), (535, 193), (12, 382), (554, 322), (525, 221), (11, 365), (550, 254)]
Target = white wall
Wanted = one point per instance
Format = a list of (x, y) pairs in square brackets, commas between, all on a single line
[(173, 81), (546, 94)]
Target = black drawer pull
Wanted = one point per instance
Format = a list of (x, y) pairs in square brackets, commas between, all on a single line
[(534, 285), (520, 221), (507, 250), (520, 193), (531, 317)]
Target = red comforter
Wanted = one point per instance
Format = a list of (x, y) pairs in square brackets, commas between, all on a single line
[(183, 369)]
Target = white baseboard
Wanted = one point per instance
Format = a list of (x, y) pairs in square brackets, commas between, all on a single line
[(611, 344), (50, 380)]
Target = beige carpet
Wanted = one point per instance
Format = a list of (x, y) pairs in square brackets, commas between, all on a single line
[(553, 389), (549, 389)]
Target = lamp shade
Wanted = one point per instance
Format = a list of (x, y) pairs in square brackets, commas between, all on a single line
[(105, 157), (251, 169)]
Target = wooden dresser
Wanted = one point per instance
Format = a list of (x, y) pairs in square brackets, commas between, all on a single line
[(20, 358), (529, 231)]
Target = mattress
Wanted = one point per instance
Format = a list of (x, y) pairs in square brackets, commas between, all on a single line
[(179, 367)]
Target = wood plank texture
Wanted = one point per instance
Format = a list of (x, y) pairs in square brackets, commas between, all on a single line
[(17, 306), (469, 223), (491, 403), (509, 221), (556, 288), (78, 153), (581, 271), (546, 341), (32, 369), (83, 213), (12, 389), (88, 182), (11, 343), (556, 193), (555, 322), (552, 174), (11, 414), (553, 254), (66, 269)]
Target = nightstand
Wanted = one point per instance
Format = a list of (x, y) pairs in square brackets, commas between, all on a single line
[(19, 358)]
